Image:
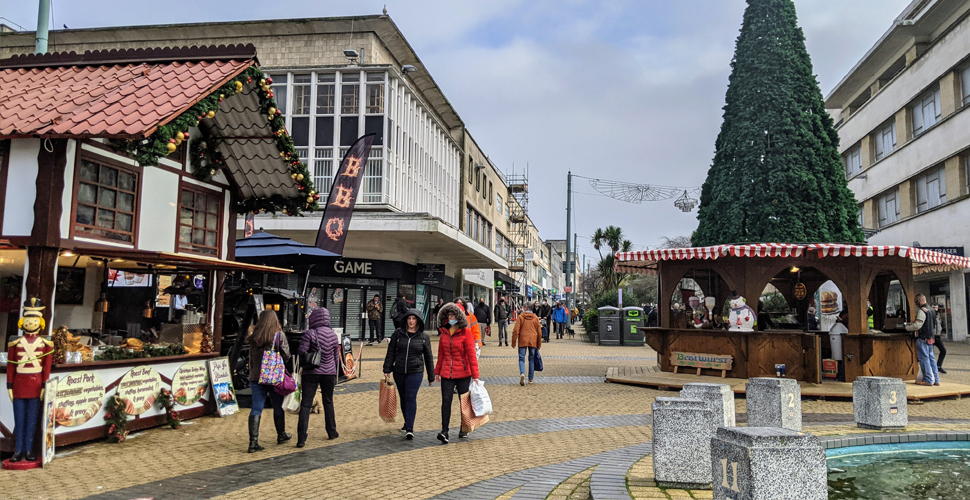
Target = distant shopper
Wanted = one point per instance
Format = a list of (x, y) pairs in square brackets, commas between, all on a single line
[(561, 316), (398, 310), (473, 325), (484, 316), (457, 364), (375, 311), (408, 355), (939, 340), (318, 338), (435, 311), (527, 336), (652, 317), (925, 327), (502, 319), (266, 335)]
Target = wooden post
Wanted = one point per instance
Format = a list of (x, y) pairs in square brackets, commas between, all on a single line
[(41, 279)]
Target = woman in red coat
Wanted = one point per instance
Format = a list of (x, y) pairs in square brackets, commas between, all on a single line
[(457, 364)]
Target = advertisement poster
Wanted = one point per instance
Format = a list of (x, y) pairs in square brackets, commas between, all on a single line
[(139, 388), (50, 404), (222, 390), (79, 398), (190, 383)]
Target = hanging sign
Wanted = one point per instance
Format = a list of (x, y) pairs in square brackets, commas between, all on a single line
[(139, 388), (221, 378), (79, 398), (343, 196), (190, 383)]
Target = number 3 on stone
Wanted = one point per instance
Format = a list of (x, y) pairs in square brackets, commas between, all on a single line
[(724, 471), (892, 397)]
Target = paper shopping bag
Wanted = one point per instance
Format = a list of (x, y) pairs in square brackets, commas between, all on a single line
[(388, 401), (469, 421)]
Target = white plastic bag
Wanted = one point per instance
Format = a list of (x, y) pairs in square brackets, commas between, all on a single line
[(291, 402), (481, 403)]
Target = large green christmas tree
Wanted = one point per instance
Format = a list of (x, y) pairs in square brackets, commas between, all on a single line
[(777, 175)]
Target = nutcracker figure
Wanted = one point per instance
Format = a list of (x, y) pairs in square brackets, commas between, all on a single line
[(28, 368)]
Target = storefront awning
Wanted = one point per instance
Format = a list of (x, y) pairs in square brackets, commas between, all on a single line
[(645, 262), (165, 260)]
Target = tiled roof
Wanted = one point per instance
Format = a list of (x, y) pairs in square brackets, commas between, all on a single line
[(121, 94)]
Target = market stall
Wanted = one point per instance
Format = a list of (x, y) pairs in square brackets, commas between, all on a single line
[(706, 328)]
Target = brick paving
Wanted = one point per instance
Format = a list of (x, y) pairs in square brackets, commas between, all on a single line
[(538, 442)]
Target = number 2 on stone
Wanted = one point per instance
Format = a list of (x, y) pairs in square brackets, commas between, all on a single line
[(791, 400), (724, 470)]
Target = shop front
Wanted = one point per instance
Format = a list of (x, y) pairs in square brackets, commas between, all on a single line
[(478, 284)]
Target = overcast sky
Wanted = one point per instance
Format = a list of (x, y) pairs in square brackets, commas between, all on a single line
[(627, 90)]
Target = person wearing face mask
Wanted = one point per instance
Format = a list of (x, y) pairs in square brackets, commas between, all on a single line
[(408, 356), (457, 363)]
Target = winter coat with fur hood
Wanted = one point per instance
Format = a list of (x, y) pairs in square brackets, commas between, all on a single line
[(456, 346), (320, 337)]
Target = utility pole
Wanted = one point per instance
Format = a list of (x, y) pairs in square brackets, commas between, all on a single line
[(572, 269), (43, 23), (569, 230)]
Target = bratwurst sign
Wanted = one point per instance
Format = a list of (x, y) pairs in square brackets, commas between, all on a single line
[(695, 360)]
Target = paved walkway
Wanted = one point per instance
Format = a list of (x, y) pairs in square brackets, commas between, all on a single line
[(569, 436)]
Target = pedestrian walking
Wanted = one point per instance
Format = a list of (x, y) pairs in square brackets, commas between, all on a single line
[(924, 328), (375, 311), (560, 315), (408, 356), (502, 319), (398, 310), (457, 363), (319, 354), (266, 335), (484, 317), (939, 337), (473, 325), (527, 336), (435, 311)]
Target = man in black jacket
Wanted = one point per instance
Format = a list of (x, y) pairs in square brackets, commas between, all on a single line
[(502, 318), (925, 328), (484, 317), (398, 311)]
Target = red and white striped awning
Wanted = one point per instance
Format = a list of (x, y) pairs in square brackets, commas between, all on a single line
[(923, 260)]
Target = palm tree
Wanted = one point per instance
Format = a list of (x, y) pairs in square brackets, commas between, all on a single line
[(611, 237)]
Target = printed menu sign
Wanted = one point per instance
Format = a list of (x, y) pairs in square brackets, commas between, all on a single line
[(190, 383), (50, 408), (79, 398), (224, 393), (139, 388)]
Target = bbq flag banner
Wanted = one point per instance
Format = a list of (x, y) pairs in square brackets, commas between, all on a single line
[(343, 197)]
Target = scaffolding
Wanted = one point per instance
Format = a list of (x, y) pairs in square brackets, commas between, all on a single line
[(518, 210)]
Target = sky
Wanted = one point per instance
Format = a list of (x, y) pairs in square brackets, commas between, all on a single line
[(626, 90)]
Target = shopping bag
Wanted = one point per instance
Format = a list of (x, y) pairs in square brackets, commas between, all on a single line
[(388, 401), (287, 386), (291, 402), (537, 364), (481, 403), (469, 421), (271, 370), (488, 330)]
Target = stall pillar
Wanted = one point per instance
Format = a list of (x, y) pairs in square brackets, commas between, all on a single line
[(41, 278), (217, 309)]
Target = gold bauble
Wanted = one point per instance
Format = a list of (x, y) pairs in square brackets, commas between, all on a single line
[(180, 136), (299, 177), (171, 147), (239, 86), (210, 114)]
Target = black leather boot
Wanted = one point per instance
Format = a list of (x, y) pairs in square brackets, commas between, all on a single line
[(281, 435), (16, 457), (254, 434)]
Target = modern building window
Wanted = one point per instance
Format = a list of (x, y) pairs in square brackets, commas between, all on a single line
[(279, 91), (885, 140), (498, 203), (326, 93), (375, 93), (888, 207), (107, 201), (323, 173), (965, 84), (350, 94), (301, 95), (478, 181), (471, 170), (926, 112), (862, 217), (931, 189), (853, 161), (199, 222)]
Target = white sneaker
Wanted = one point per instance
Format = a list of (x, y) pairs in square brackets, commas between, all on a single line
[(521, 379)]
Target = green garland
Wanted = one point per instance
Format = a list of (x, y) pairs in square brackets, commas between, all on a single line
[(165, 401), (116, 353), (116, 415), (205, 155)]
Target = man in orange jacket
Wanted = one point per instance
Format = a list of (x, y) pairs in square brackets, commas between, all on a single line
[(473, 325)]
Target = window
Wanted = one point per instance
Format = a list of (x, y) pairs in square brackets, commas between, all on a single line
[(498, 203), (323, 173), (926, 112), (888, 207), (885, 140), (325, 93), (199, 222), (853, 161), (965, 83), (375, 93), (279, 91), (862, 217), (471, 170), (106, 201), (931, 189), (301, 95), (350, 94), (478, 182)]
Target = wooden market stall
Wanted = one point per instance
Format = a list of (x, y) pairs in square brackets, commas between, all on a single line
[(865, 275)]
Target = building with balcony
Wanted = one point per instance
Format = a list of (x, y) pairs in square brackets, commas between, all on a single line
[(903, 118)]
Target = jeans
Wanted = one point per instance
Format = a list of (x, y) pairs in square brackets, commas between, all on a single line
[(25, 423), (448, 386), (532, 361), (503, 334), (407, 389), (927, 363), (376, 333), (940, 346), (310, 383), (260, 393)]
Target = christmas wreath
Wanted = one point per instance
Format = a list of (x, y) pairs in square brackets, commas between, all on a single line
[(165, 401), (117, 417)]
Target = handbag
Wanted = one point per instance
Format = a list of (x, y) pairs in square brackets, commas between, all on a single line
[(537, 363), (311, 358), (488, 330), (469, 421), (271, 370), (387, 405)]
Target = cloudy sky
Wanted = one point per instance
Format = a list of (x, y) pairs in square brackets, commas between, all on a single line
[(627, 90)]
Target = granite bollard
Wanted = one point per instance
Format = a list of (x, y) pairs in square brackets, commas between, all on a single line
[(719, 397), (774, 402), (879, 403), (767, 463), (682, 433)]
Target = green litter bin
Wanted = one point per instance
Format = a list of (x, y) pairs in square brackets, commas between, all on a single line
[(633, 318)]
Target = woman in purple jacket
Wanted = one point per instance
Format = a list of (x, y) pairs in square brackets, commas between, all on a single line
[(319, 337)]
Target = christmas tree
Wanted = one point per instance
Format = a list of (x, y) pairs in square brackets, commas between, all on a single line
[(777, 175)]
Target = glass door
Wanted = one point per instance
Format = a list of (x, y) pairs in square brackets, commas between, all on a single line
[(355, 308)]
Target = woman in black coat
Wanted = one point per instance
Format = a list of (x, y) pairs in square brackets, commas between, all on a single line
[(408, 356)]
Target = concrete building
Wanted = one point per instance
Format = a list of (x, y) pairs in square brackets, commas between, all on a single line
[(903, 120), (336, 79)]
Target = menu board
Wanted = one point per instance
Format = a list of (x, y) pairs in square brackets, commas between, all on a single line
[(190, 383), (79, 398), (50, 407), (222, 389), (139, 388)]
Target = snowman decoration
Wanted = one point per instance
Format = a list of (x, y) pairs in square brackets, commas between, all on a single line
[(743, 318)]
